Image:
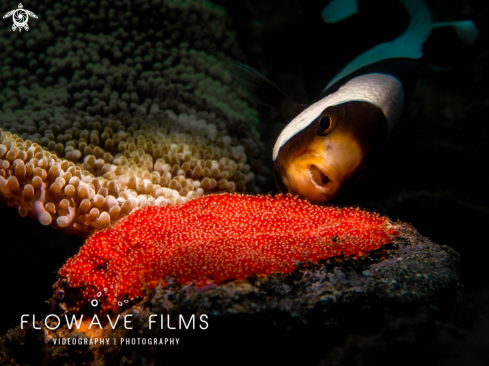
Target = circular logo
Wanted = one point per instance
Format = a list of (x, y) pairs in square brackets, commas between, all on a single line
[(20, 18)]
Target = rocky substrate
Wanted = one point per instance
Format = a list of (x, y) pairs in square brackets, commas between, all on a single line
[(306, 316)]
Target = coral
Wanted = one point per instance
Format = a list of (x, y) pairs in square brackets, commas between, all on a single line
[(217, 238), (116, 87)]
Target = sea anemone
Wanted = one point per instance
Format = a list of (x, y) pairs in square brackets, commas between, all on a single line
[(128, 99)]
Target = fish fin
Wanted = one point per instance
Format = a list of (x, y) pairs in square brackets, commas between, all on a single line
[(263, 91), (327, 46), (457, 42), (337, 10), (408, 45), (466, 30)]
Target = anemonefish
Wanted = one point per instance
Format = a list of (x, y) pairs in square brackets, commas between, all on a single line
[(327, 146)]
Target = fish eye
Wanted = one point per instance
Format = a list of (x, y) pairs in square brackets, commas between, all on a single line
[(329, 119), (325, 124)]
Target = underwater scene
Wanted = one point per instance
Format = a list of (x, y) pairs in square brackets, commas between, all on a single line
[(296, 182)]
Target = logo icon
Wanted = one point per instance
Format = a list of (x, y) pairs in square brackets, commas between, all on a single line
[(94, 302), (20, 17)]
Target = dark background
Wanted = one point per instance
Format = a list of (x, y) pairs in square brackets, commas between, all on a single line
[(432, 173)]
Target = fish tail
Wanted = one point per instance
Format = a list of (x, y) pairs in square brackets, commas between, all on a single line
[(408, 45)]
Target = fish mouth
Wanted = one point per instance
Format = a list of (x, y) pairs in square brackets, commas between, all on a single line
[(319, 177), (312, 178)]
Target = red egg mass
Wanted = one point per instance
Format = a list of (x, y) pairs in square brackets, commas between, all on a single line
[(217, 238)]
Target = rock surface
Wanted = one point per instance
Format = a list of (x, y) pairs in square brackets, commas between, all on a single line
[(317, 305)]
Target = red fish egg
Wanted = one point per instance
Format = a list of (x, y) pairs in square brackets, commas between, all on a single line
[(218, 238)]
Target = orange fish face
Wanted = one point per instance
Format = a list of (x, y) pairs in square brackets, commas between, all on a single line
[(320, 174), (327, 156)]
